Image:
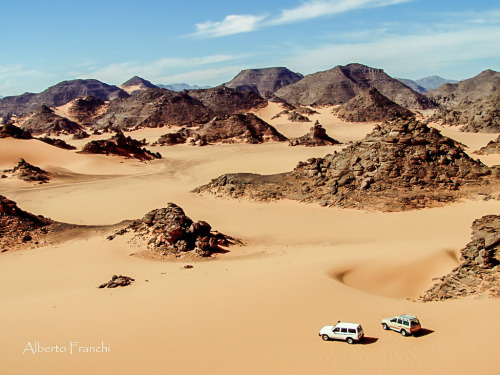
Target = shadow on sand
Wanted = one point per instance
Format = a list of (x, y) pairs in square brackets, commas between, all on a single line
[(423, 332), (368, 340)]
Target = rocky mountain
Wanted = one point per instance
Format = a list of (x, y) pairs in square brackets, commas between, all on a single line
[(85, 110), (265, 81), (316, 137), (413, 85), (433, 82), (238, 128), (161, 107), (226, 101), (56, 142), (45, 121), (473, 103), (120, 145), (479, 270), (137, 84), (59, 95), (342, 83), (400, 166), (168, 232), (182, 87), (371, 105)]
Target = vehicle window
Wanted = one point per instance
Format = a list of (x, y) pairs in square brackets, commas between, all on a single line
[(406, 323), (414, 323), (393, 320), (400, 321), (351, 330), (344, 330), (336, 330)]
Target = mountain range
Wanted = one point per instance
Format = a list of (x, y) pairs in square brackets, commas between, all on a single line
[(426, 84)]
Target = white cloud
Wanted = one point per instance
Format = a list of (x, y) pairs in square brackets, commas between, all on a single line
[(402, 55), (236, 24), (232, 24), (321, 8)]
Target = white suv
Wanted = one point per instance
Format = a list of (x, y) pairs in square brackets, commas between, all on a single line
[(350, 332), (404, 324)]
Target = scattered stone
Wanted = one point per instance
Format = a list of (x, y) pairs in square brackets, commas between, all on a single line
[(188, 266), (117, 281), (82, 134), (493, 147)]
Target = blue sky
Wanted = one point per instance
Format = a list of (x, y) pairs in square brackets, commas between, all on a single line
[(207, 43)]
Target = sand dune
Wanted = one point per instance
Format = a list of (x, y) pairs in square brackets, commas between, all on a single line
[(255, 310)]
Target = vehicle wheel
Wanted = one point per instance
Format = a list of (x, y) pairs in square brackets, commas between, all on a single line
[(350, 340), (325, 337), (385, 326), (404, 333)]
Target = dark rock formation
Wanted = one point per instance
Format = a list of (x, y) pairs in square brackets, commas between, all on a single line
[(226, 101), (493, 147), (135, 84), (18, 226), (237, 128), (169, 232), (57, 143), (12, 131), (176, 138), (29, 173), (85, 110), (58, 95), (473, 103), (479, 270), (45, 121), (154, 108), (82, 134), (316, 137), (399, 166), (264, 82), (342, 83), (371, 105), (117, 281), (121, 146)]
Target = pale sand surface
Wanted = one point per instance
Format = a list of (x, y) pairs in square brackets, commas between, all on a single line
[(255, 310)]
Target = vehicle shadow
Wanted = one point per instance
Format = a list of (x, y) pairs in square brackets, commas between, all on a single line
[(423, 332), (368, 340)]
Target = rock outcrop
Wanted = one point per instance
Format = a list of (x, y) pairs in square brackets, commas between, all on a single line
[(226, 101), (479, 270), (85, 110), (18, 227), (238, 128), (342, 83), (371, 105), (400, 166), (493, 147), (265, 81), (120, 145), (28, 172), (316, 137), (58, 95), (45, 121), (57, 143), (11, 131), (473, 103), (168, 232)]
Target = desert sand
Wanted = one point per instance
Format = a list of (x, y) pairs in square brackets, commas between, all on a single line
[(255, 310)]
